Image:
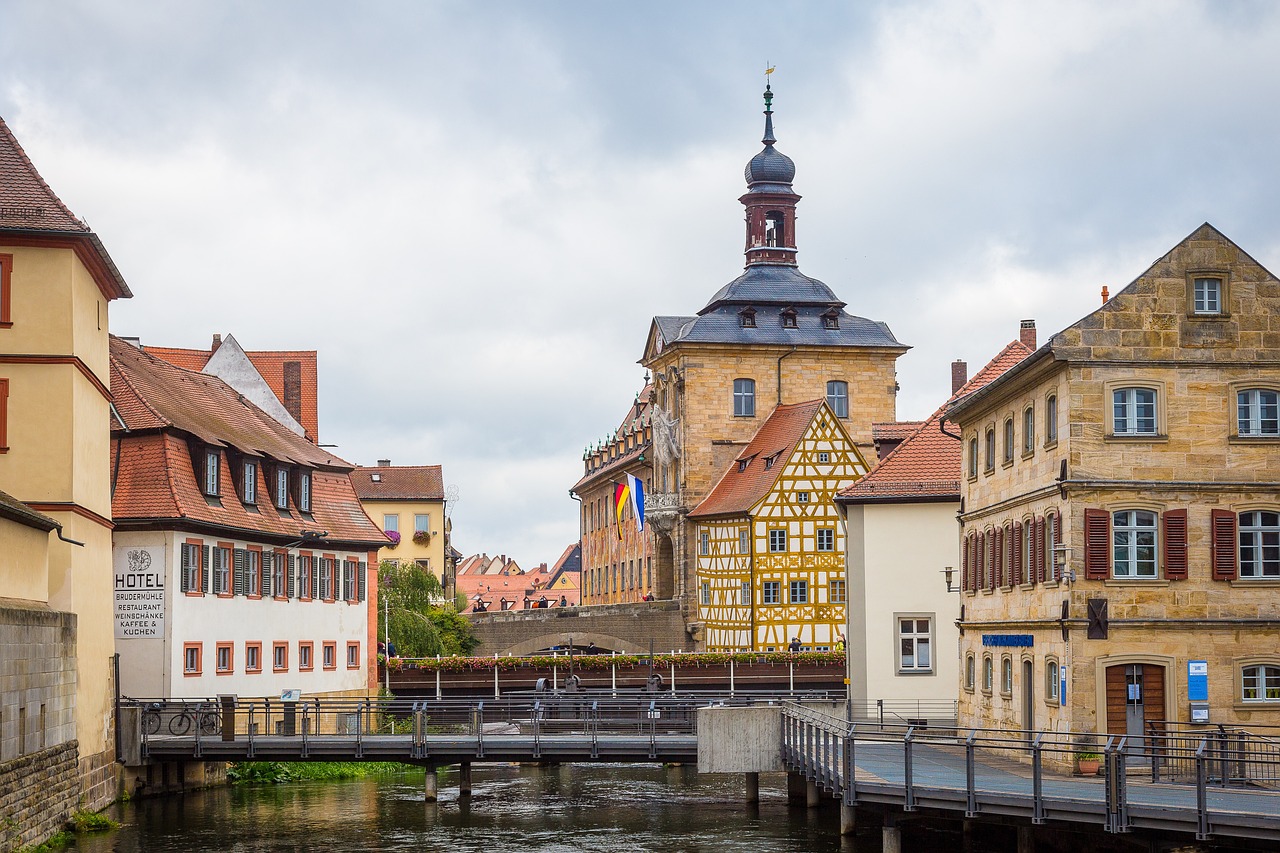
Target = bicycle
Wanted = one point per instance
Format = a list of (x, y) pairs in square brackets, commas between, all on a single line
[(151, 718), (203, 716)]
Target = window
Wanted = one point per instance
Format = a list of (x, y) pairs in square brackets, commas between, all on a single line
[(744, 541), (304, 491), (744, 398), (4, 415), (969, 671), (349, 568), (704, 543), (1133, 411), (747, 318), (973, 458), (1259, 545), (837, 592), (838, 398), (1008, 441), (279, 657), (211, 458), (989, 460), (799, 592), (1051, 679), (744, 594), (329, 655), (279, 575), (249, 489), (826, 539), (986, 673), (1258, 412), (222, 571), (306, 577), (915, 644), (304, 656), (831, 320), (1028, 431), (704, 593), (1207, 296), (788, 319), (771, 592), (421, 521), (824, 457), (282, 487), (1006, 675), (191, 658), (777, 541), (253, 657), (1133, 541), (353, 655), (773, 230), (191, 568), (1051, 419), (1260, 683), (223, 663), (6, 297), (802, 497), (391, 523), (253, 573)]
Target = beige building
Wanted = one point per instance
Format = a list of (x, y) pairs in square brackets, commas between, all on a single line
[(56, 282), (1121, 532), (407, 502)]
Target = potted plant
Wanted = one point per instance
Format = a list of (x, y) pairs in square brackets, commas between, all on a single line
[(421, 537), (394, 537), (1087, 760)]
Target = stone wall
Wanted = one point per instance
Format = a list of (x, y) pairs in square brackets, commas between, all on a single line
[(620, 627), (37, 678), (38, 792)]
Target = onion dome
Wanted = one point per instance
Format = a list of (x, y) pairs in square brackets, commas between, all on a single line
[(770, 170)]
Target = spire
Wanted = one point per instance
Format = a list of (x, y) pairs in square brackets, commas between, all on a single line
[(770, 200), (768, 116)]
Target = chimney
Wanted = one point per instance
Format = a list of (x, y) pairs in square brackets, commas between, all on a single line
[(136, 343), (1027, 334), (217, 342), (1105, 295), (384, 463), (959, 375)]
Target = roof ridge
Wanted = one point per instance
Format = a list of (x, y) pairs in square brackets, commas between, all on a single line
[(21, 152), (137, 393)]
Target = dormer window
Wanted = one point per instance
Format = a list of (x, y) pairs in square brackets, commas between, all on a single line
[(747, 318), (211, 464), (788, 318), (831, 320), (282, 488), (742, 464), (773, 230), (249, 488), (377, 478), (304, 491)]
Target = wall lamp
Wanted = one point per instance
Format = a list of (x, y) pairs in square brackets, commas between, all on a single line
[(949, 573)]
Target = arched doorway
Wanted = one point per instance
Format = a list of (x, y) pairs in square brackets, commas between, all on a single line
[(1028, 699), (664, 575), (1135, 699)]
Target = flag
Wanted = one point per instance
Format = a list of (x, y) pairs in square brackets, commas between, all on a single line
[(620, 500), (636, 487), (630, 492)]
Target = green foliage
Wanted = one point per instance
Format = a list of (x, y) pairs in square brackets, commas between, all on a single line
[(278, 772), (86, 821), (604, 662), (422, 623), (55, 842)]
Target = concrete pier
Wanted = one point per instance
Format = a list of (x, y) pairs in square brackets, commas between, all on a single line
[(464, 779), (891, 835), (430, 786), (752, 787), (1026, 841), (795, 788), (848, 819), (812, 795)]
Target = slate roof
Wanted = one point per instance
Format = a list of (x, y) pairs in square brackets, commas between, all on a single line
[(739, 490), (161, 406), (29, 205), (635, 418), (399, 483), (269, 363), (927, 464), (15, 510)]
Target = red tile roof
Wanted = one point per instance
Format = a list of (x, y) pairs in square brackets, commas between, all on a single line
[(15, 510), (399, 483), (269, 363), (927, 464), (739, 490), (894, 430), (162, 406)]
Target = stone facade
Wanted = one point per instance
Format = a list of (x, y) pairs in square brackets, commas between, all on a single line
[(38, 792), (1107, 548)]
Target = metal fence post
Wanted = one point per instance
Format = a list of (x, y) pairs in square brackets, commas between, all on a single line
[(909, 793), (479, 723), (1202, 793), (1037, 779), (971, 793)]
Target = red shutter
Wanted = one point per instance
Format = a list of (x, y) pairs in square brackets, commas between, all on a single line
[(1224, 544), (998, 557), (1037, 550), (1017, 553), (1175, 544), (984, 557), (1097, 544), (1052, 567), (964, 564)]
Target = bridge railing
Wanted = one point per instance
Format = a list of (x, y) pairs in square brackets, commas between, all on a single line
[(1232, 755)]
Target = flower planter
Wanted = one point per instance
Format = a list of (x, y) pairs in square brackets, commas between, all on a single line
[(1088, 766)]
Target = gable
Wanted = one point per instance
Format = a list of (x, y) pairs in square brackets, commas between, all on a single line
[(805, 471)]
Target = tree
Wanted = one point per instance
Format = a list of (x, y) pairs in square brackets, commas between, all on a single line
[(423, 624)]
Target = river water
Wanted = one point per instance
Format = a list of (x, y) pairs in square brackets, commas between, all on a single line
[(557, 808)]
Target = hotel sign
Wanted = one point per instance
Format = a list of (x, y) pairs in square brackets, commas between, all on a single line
[(1009, 640), (139, 593)]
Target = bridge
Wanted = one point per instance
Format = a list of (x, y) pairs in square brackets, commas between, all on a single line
[(1185, 783), (629, 628)]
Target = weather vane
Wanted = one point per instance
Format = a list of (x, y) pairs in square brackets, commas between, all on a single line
[(769, 70)]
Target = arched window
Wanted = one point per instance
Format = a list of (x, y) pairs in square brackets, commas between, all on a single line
[(838, 397), (1260, 683), (744, 398), (968, 671), (1006, 674), (973, 457), (986, 673), (1008, 440), (1051, 681), (989, 462), (1051, 419), (773, 228), (1029, 431)]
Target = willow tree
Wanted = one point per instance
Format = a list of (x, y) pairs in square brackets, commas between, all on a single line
[(422, 622)]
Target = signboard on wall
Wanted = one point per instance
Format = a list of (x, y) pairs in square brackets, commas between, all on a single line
[(139, 592)]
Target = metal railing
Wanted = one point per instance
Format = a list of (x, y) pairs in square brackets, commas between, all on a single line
[(1233, 756)]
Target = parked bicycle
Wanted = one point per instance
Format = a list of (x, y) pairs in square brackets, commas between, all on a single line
[(204, 715)]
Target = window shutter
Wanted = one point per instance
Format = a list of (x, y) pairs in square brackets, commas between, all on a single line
[(999, 557), (291, 583), (1017, 553), (1224, 544), (265, 566), (187, 560), (238, 573), (989, 548), (362, 568), (975, 564), (315, 575), (964, 566), (1175, 544), (1037, 551), (1051, 566), (204, 569), (1097, 544)]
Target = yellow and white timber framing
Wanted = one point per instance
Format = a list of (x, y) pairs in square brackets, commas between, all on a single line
[(732, 578)]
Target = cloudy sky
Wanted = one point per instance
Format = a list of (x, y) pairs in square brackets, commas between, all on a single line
[(472, 210)]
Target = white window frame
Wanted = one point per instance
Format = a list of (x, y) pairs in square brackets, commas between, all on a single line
[(1135, 411), (838, 397), (1206, 295), (390, 522), (349, 569), (802, 497), (1129, 535), (704, 543), (906, 627), (1029, 430), (250, 490), (422, 522), (824, 456), (191, 568), (798, 591), (744, 398), (191, 658), (1259, 545), (252, 573), (221, 570), (212, 464), (282, 488), (744, 593), (1010, 441), (1006, 675), (970, 671), (744, 541), (973, 457), (777, 540), (304, 491), (837, 591), (771, 592), (279, 575), (1052, 677), (1262, 680), (1051, 419), (1257, 416), (988, 673), (704, 593), (826, 538)]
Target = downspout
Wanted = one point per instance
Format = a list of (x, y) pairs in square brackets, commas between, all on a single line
[(582, 516), (780, 358), (115, 468)]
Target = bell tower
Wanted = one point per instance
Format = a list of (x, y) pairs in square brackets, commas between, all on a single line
[(770, 201)]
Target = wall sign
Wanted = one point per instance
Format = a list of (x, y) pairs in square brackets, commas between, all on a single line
[(1198, 681), (139, 592), (1009, 640)]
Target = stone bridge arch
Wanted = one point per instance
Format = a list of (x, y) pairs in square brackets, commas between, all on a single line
[(605, 642), (628, 628)]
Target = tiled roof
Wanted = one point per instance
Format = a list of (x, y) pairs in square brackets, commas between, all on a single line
[(162, 405), (15, 510), (570, 560), (636, 417), (894, 430), (399, 483), (739, 490), (28, 204), (270, 363), (927, 464)]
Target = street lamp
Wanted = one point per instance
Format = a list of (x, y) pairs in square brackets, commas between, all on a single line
[(1062, 562), (949, 573)]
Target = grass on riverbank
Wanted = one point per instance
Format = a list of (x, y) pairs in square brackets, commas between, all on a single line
[(277, 772)]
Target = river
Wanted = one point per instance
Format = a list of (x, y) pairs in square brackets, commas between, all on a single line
[(557, 808)]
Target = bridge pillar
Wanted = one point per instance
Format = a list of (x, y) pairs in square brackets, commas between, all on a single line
[(891, 835), (1026, 841), (464, 780), (430, 786), (848, 819), (753, 787), (813, 796), (795, 787)]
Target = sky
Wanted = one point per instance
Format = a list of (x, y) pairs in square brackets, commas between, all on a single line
[(472, 210)]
